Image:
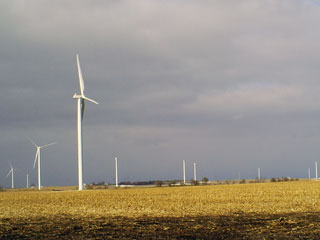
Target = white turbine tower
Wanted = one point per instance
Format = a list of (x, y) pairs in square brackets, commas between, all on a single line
[(259, 174), (12, 178), (116, 170), (184, 171), (316, 167), (195, 172), (37, 159), (80, 112)]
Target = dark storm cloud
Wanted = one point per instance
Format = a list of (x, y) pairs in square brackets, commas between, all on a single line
[(232, 85)]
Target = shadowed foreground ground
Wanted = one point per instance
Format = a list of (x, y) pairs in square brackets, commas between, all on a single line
[(237, 226)]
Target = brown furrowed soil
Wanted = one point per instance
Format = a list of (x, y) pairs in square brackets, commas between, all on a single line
[(288, 210)]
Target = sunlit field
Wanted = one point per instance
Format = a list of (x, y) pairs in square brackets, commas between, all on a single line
[(282, 210)]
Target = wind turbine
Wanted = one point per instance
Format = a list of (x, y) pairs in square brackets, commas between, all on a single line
[(80, 112), (184, 171), (116, 170), (37, 157), (11, 171)]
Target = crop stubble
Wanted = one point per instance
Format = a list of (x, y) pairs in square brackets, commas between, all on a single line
[(284, 210)]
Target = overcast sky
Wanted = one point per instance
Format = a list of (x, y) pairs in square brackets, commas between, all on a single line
[(231, 85)]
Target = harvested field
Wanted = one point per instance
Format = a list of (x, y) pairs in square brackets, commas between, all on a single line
[(283, 210)]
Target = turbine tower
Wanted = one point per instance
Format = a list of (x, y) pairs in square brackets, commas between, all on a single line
[(116, 170), (80, 112), (184, 171), (259, 174), (37, 159), (195, 172), (316, 166), (12, 179)]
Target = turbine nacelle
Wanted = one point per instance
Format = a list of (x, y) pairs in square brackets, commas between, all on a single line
[(76, 96)]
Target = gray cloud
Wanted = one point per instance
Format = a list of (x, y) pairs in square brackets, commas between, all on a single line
[(230, 85)]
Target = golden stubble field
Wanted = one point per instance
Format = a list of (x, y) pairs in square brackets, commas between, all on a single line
[(284, 210)]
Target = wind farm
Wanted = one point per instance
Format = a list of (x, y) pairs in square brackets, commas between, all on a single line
[(202, 200), (160, 119)]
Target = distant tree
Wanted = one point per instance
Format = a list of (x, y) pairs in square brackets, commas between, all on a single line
[(159, 183), (194, 182), (273, 179), (205, 180), (242, 181)]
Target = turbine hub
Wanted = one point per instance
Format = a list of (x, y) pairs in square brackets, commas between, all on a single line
[(76, 96)]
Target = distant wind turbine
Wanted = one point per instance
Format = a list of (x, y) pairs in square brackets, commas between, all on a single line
[(184, 171), (309, 173), (12, 178), (80, 112), (37, 159), (116, 170)]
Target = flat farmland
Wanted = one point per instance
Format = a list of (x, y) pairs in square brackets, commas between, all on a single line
[(282, 210)]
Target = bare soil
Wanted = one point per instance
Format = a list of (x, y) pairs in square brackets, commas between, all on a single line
[(237, 226)]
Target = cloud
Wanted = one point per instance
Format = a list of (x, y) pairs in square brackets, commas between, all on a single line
[(249, 98), (225, 83)]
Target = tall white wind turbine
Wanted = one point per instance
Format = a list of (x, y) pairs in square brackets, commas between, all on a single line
[(12, 178), (80, 112), (37, 159)]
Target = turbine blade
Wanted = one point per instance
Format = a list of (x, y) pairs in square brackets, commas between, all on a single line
[(10, 165), (80, 77), (35, 159), (32, 142), (89, 99), (9, 172), (48, 144), (82, 108)]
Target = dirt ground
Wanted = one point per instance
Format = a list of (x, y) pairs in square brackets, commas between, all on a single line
[(237, 226), (282, 210)]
